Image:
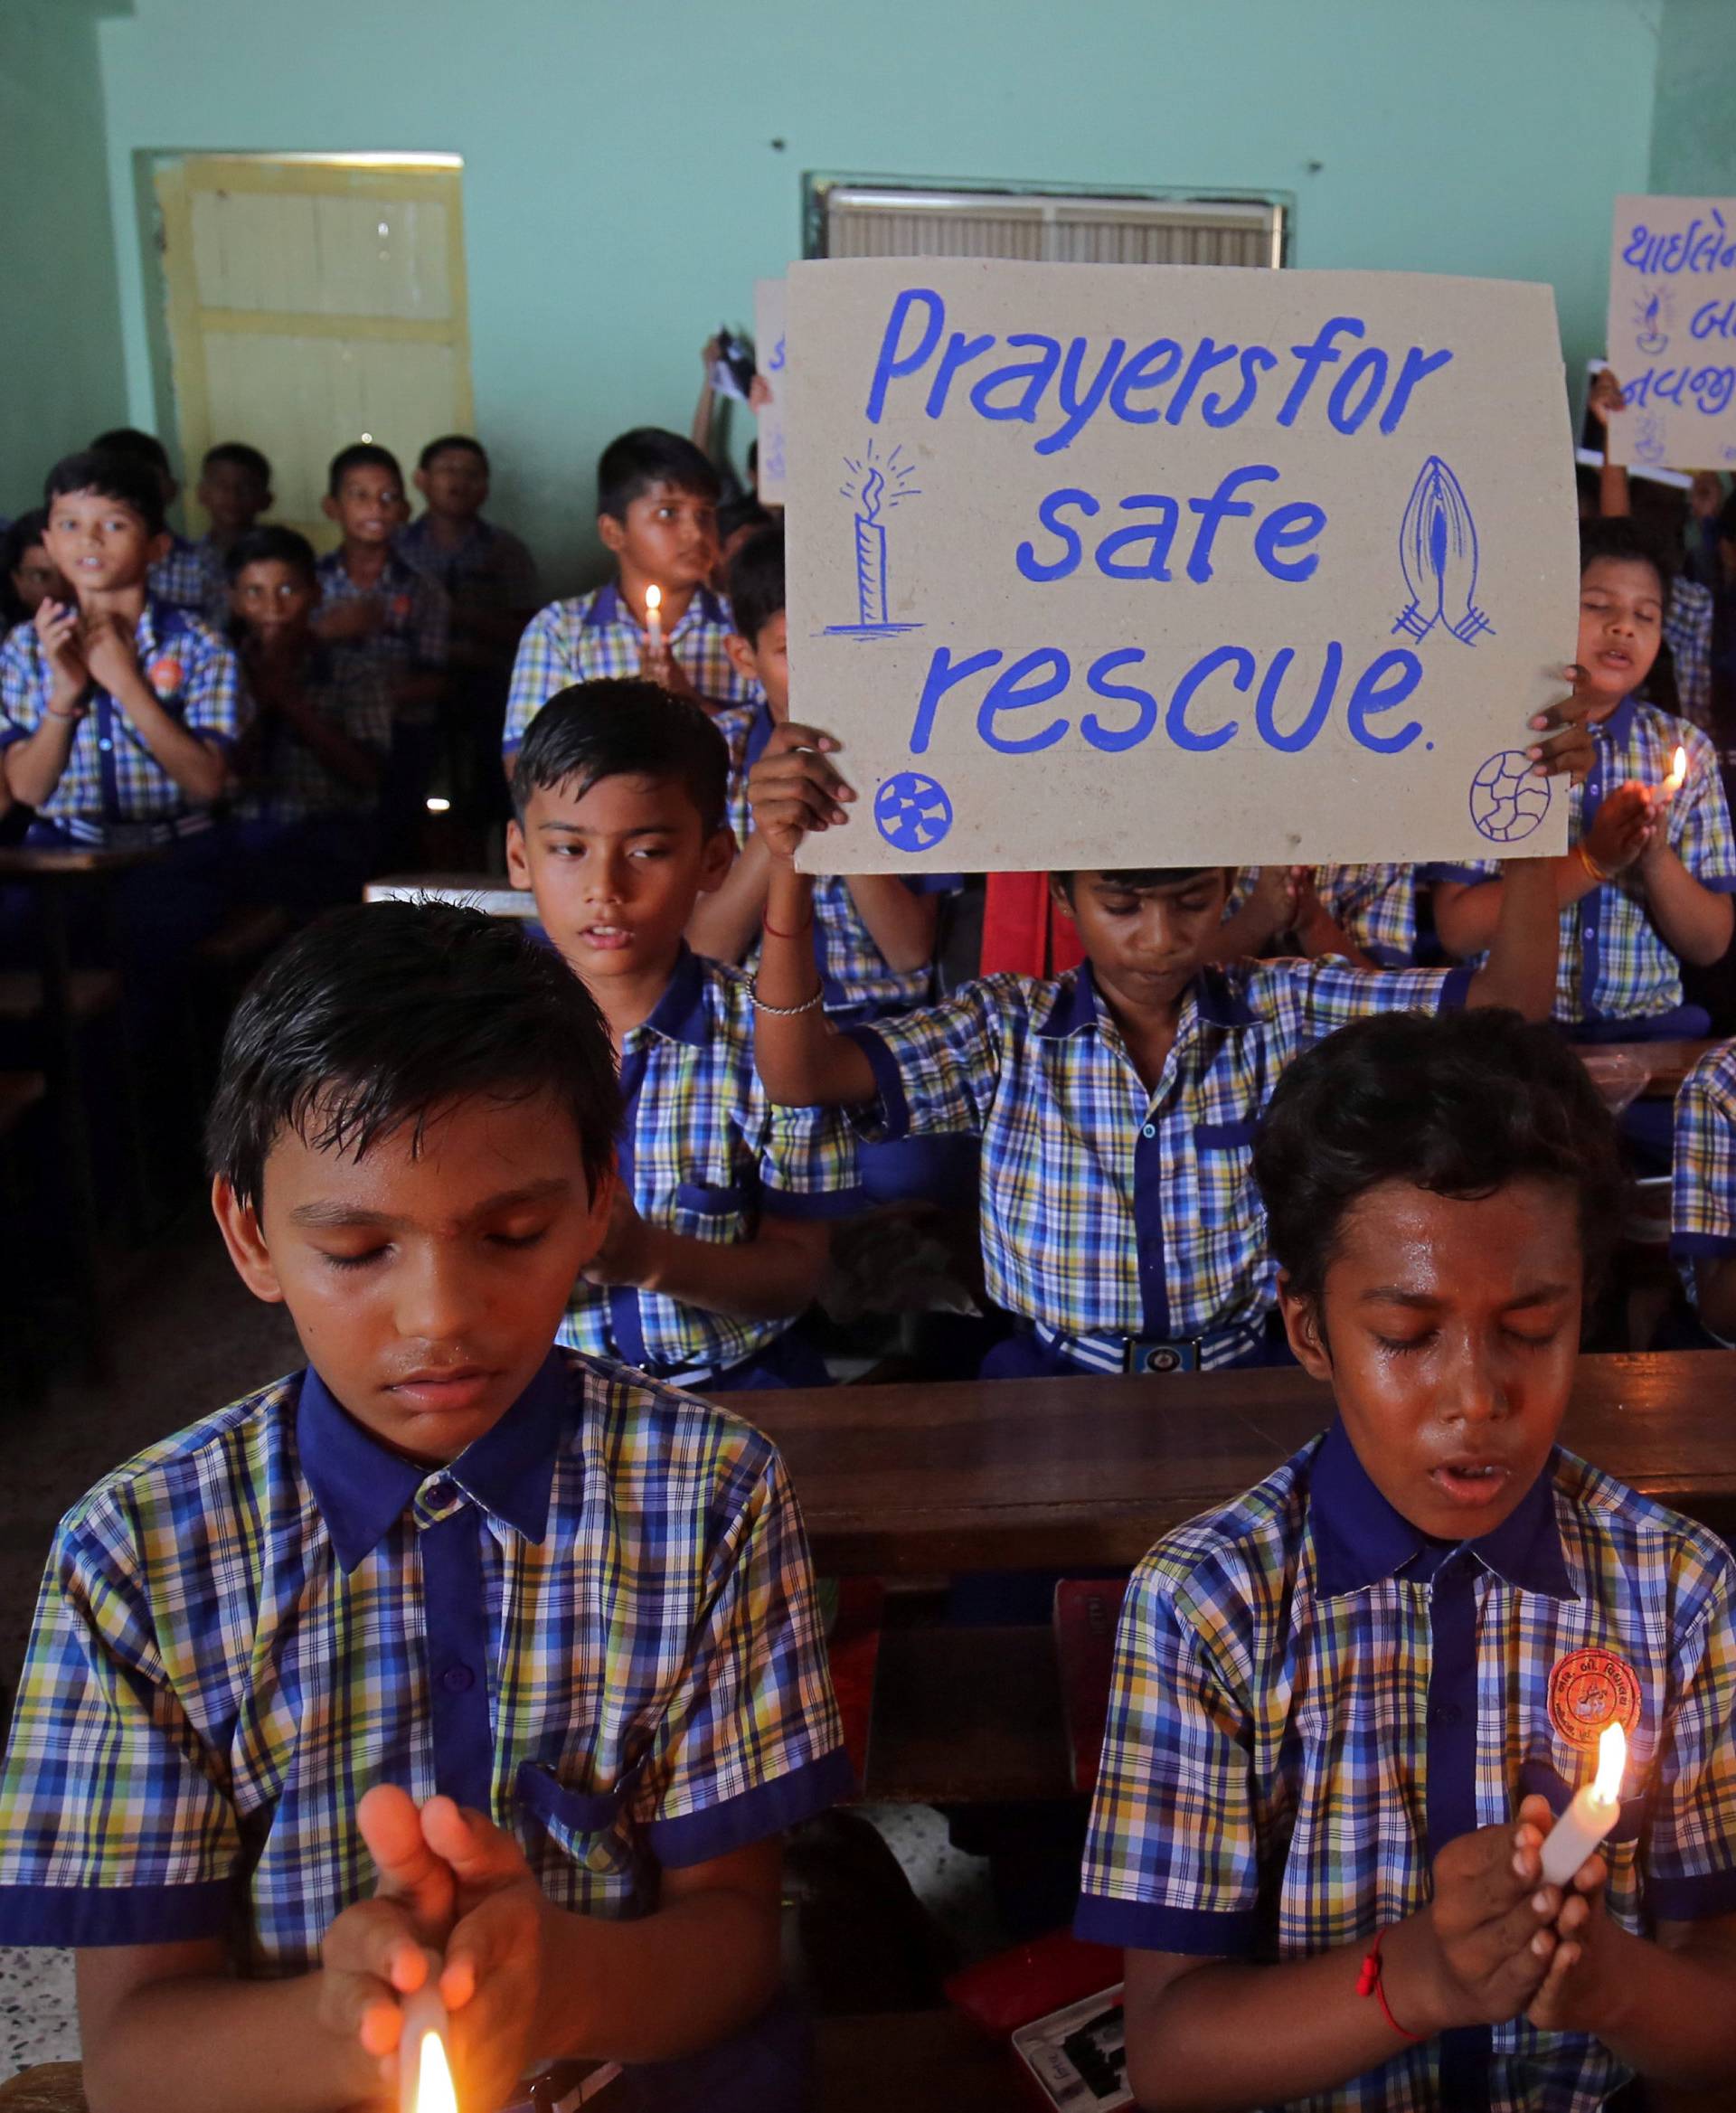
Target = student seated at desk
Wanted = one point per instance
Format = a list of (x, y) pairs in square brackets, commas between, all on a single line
[(1648, 881), (657, 514), (1703, 1194), (719, 1236), (1346, 1708), (118, 716), (316, 745), (1116, 1103), (451, 1639)]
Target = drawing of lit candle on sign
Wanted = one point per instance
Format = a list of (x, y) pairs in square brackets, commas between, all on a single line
[(876, 484), (1651, 322), (1438, 556)]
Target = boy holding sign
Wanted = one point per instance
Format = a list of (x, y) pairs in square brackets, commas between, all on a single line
[(1117, 1104), (1349, 1707)]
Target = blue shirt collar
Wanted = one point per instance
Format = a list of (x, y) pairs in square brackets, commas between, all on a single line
[(1361, 1539), (679, 1015), (760, 728), (608, 607), (363, 1487), (1214, 998), (1619, 725)]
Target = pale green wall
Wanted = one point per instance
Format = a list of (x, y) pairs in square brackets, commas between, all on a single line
[(62, 377), (621, 191), (1693, 116)]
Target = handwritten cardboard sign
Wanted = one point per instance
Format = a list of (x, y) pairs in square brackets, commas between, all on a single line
[(768, 352), (1673, 332), (1127, 565)]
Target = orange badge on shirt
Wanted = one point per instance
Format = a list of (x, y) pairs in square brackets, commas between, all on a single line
[(401, 609), (1589, 1690), (165, 674)]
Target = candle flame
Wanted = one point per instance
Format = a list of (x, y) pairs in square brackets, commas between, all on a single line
[(652, 599), (434, 2092), (1679, 765), (1612, 1760)]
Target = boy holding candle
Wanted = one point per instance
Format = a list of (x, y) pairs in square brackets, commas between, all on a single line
[(718, 1240), (1116, 1105), (657, 514), (1348, 1708), (452, 1639)]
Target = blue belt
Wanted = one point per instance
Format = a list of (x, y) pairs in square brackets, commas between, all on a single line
[(1146, 1353), (131, 835)]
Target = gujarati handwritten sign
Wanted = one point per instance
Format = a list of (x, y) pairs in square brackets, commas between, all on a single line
[(771, 358), (1127, 565), (1673, 332)]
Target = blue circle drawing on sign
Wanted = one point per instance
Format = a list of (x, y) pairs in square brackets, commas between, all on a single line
[(1508, 803), (912, 811)]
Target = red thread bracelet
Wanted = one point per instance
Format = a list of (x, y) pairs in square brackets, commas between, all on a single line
[(766, 925), (1369, 1981)]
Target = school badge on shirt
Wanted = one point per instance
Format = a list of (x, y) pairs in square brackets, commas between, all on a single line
[(1589, 1690), (165, 674)]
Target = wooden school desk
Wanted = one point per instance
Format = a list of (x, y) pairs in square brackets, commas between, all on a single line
[(1078, 1475)]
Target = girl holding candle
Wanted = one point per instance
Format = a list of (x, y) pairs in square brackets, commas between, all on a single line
[(1349, 1709), (1647, 882)]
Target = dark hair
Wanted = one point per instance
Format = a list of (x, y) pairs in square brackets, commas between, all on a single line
[(360, 454), (637, 462), (757, 583), (1137, 877), (1619, 537), (240, 455), (1457, 1103), (111, 476), (269, 545), (446, 443), (136, 447), (18, 538), (624, 727), (745, 512), (382, 1014)]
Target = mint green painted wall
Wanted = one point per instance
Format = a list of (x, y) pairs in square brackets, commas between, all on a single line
[(621, 193), (62, 376), (1693, 116)]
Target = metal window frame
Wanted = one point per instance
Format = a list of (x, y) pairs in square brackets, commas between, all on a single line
[(913, 193)]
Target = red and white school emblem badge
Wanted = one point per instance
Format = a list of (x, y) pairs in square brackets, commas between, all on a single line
[(401, 609), (165, 674), (1589, 1690)]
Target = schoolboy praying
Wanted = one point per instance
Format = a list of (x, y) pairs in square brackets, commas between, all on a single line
[(657, 514), (450, 1638), (1347, 1707)]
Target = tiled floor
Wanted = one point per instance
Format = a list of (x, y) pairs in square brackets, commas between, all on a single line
[(190, 1338)]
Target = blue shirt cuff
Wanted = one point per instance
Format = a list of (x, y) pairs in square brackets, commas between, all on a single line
[(1684, 1246), (88, 1915), (1148, 1925), (1691, 1900), (1455, 990), (716, 1830), (1472, 876), (812, 1203), (1719, 884), (888, 1082)]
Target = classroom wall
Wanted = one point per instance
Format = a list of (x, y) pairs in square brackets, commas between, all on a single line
[(1694, 111), (62, 373), (632, 165)]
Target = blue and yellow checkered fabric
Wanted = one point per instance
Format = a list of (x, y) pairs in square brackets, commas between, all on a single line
[(1307, 1693), (597, 1624)]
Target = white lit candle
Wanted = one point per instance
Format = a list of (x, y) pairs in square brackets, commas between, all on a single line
[(1593, 1812), (424, 2074), (654, 618), (1678, 773)]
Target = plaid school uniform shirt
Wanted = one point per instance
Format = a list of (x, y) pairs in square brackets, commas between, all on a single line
[(706, 1155), (858, 982), (1310, 1700), (190, 575), (289, 781), (597, 1626), (1375, 905), (597, 635), (1687, 632), (1614, 964), (112, 783), (489, 569), (415, 636), (1702, 1171), (1109, 1211)]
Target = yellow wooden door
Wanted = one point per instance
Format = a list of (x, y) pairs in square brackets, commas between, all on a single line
[(313, 300)]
